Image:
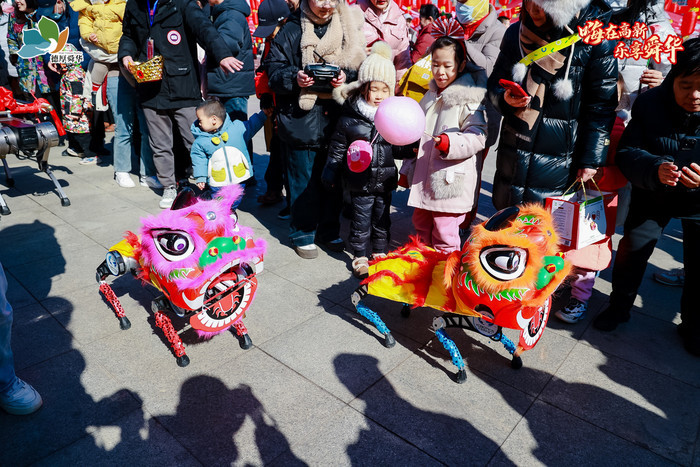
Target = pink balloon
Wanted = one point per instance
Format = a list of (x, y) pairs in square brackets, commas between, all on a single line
[(400, 120), (359, 155)]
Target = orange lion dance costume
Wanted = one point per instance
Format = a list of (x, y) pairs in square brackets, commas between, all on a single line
[(503, 277)]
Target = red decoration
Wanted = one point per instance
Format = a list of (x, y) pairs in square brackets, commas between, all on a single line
[(688, 23)]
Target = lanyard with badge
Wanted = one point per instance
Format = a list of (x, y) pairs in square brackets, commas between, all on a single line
[(151, 16)]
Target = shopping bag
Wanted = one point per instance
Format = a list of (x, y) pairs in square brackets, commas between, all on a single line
[(610, 201), (579, 218)]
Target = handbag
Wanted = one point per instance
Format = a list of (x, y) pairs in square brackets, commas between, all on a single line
[(145, 72), (578, 217)]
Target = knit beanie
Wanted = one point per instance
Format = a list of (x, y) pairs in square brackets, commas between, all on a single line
[(378, 66)]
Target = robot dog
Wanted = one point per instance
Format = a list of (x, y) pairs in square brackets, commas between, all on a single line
[(503, 277), (27, 135), (200, 258)]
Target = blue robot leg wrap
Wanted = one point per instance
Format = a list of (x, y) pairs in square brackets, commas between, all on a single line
[(373, 317), (508, 344), (451, 347)]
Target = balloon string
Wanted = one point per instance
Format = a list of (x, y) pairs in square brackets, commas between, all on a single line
[(374, 139)]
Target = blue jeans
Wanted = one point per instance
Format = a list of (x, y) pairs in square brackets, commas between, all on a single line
[(315, 212), (237, 109), (7, 364), (125, 106)]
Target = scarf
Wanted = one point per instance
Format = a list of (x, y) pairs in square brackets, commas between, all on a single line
[(537, 77), (343, 44)]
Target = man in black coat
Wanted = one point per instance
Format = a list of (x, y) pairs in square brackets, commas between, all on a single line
[(173, 28), (230, 19), (660, 155)]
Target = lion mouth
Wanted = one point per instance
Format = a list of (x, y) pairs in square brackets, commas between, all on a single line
[(227, 297)]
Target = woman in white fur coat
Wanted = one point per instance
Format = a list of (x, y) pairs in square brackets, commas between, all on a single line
[(445, 181)]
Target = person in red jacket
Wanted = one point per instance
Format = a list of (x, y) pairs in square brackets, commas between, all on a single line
[(428, 14)]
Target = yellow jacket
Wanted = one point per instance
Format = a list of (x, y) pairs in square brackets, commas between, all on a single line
[(103, 19)]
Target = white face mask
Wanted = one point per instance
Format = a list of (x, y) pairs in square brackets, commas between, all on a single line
[(465, 12)]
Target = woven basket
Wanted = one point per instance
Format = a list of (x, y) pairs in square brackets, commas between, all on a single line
[(146, 72)]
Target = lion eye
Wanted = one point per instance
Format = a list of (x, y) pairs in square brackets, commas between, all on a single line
[(503, 262), (174, 245)]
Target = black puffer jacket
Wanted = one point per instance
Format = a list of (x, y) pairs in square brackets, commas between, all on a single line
[(572, 134), (299, 128), (177, 28), (230, 20), (381, 176), (658, 130)]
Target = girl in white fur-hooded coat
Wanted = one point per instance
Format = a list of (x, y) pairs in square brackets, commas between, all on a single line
[(445, 181)]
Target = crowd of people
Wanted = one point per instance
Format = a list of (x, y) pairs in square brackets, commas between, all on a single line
[(572, 113)]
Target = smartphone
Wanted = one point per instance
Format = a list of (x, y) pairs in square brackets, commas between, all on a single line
[(515, 88), (689, 153)]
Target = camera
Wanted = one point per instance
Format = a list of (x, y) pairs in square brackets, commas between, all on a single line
[(322, 73)]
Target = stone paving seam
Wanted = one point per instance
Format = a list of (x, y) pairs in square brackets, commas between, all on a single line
[(646, 448), (347, 404), (76, 441), (395, 434), (650, 368), (194, 456)]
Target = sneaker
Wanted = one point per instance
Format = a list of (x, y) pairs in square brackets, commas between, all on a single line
[(360, 267), (20, 399), (609, 319), (270, 198), (124, 180), (150, 182), (71, 152), (574, 311), (284, 214), (306, 251), (169, 194), (674, 277), (336, 245), (89, 160)]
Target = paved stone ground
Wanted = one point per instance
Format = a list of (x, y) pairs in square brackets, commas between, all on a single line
[(318, 387)]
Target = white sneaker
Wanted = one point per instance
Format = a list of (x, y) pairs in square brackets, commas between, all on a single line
[(20, 399), (150, 182), (124, 180), (573, 312), (169, 195)]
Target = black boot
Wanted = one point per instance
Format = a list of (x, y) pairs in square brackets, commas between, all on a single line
[(691, 341), (609, 319)]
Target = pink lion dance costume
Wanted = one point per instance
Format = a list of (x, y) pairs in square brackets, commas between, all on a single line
[(200, 258)]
